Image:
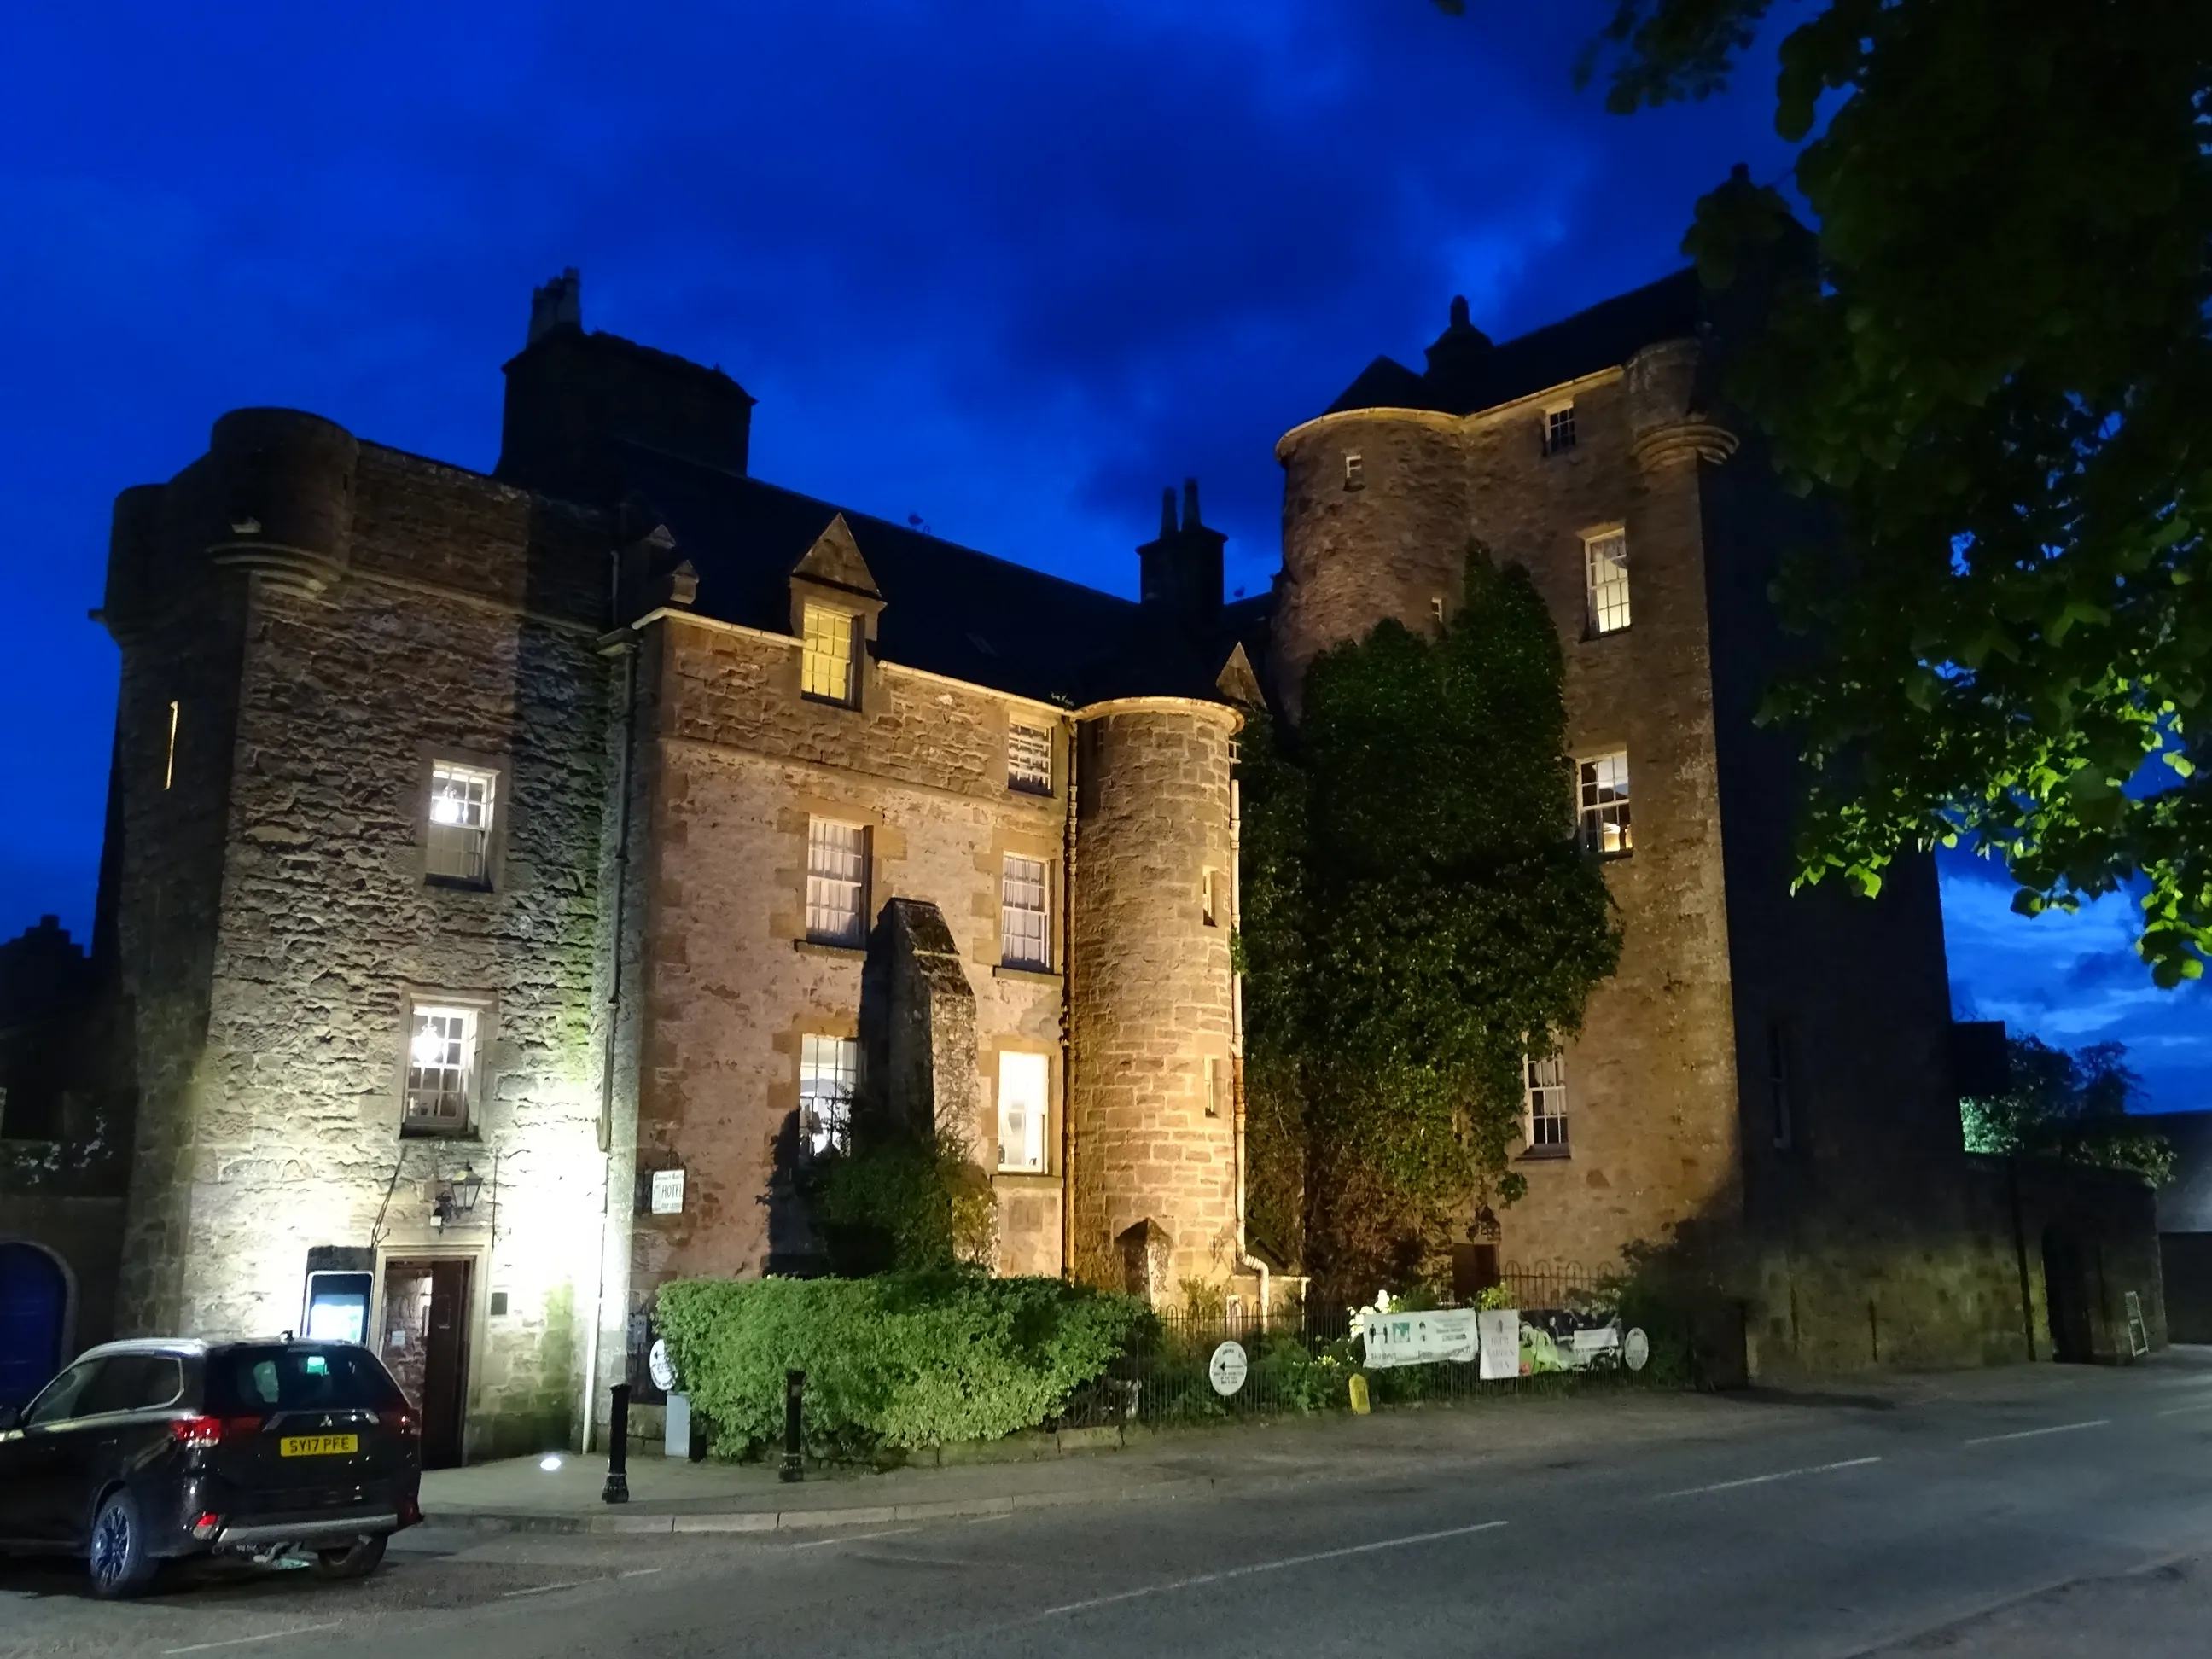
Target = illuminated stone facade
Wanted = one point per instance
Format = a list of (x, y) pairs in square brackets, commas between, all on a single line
[(514, 878)]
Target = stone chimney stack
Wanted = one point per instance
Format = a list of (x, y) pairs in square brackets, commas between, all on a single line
[(1180, 574), (558, 304)]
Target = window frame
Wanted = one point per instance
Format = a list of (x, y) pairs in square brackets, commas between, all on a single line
[(809, 653), (1557, 418), (1591, 813), (1041, 962), (814, 1140), (1548, 1091), (1781, 1085), (1041, 1133), (481, 1008), (500, 770), (1030, 782), (855, 937), (1609, 606)]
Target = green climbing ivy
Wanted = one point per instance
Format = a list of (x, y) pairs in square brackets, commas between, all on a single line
[(1416, 918)]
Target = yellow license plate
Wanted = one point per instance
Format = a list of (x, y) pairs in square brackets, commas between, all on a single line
[(318, 1445)]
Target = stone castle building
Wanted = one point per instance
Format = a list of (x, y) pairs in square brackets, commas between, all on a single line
[(513, 879)]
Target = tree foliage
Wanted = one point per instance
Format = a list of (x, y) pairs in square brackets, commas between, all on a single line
[(2072, 1106), (1996, 364), (1417, 918)]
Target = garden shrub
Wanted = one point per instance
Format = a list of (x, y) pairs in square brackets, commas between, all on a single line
[(898, 1362)]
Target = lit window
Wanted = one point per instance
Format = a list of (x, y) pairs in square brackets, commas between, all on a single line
[(836, 882), (1778, 1083), (442, 1067), (1024, 1108), (829, 1072), (462, 802), (1029, 759), (1544, 1097), (1606, 559), (1023, 911), (1214, 1089), (826, 657), (1558, 430), (1212, 897), (1355, 471), (1603, 803)]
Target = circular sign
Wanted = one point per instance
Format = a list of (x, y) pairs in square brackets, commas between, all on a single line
[(1636, 1350), (660, 1367), (1226, 1371)]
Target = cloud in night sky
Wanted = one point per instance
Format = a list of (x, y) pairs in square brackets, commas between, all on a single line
[(1010, 268)]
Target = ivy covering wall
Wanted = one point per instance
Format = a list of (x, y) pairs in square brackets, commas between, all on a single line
[(1417, 918)]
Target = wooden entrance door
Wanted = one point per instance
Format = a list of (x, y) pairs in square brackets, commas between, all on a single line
[(426, 1347)]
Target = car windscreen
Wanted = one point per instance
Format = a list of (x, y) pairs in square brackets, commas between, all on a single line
[(296, 1377)]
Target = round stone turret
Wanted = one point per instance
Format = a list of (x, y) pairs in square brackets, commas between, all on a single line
[(283, 488), (1150, 997), (1375, 526), (1666, 408)]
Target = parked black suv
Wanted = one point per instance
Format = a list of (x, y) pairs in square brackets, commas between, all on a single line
[(146, 1451)]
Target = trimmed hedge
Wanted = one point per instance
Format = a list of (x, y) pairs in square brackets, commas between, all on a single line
[(895, 1362)]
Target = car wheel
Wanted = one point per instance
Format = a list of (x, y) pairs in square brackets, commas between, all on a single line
[(118, 1557), (355, 1560)]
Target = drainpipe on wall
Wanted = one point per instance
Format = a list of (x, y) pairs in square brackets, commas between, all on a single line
[(1068, 1021), (627, 648), (1245, 1258)]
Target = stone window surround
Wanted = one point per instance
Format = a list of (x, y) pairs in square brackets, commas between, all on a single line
[(1047, 880), (1551, 1082), (485, 1004), (501, 767), (810, 938), (1055, 1105), (1594, 604), (866, 609)]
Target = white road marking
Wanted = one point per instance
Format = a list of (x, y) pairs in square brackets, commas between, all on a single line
[(637, 1573), (856, 1538), (1262, 1566), (1779, 1474), (2176, 1411), (538, 1589), (2031, 1434), (241, 1641)]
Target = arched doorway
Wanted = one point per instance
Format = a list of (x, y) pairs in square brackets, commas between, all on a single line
[(34, 1318), (2066, 1295)]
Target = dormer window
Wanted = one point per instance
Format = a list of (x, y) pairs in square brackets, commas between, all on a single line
[(1560, 430), (1028, 758), (1355, 470), (826, 654)]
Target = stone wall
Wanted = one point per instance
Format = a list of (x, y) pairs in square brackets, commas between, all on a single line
[(734, 763), (1651, 1080), (275, 914), (1150, 1001)]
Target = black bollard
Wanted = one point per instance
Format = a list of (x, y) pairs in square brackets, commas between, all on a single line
[(794, 1428), (616, 1490)]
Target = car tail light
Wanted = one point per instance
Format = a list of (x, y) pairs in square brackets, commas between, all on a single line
[(405, 1421), (212, 1431), (205, 1526)]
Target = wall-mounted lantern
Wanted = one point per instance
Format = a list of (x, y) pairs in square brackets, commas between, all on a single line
[(456, 1197)]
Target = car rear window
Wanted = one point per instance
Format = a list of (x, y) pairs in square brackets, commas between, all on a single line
[(299, 1378)]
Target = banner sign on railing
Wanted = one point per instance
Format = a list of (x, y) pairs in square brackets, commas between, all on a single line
[(1418, 1338)]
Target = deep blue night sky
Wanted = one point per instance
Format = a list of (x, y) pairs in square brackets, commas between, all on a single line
[(1012, 279)]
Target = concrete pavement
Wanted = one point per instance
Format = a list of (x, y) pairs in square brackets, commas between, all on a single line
[(2026, 1512)]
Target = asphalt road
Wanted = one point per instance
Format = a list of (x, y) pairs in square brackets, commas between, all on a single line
[(2023, 1513)]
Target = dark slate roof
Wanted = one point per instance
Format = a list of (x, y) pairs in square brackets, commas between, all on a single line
[(1604, 336), (947, 609)]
